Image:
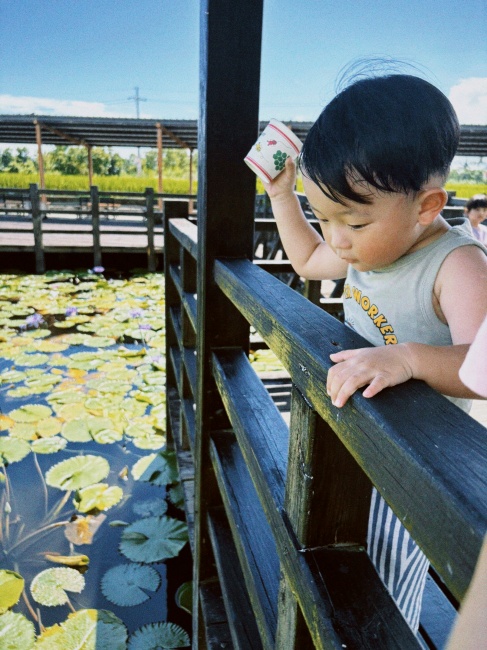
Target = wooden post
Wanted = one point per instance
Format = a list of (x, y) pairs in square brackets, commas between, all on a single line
[(149, 215), (90, 165), (95, 223), (327, 502), (191, 202), (40, 159), (37, 227), (230, 44), (159, 162), (312, 291)]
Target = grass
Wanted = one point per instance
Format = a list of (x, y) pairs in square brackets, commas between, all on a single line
[(104, 183), (171, 185)]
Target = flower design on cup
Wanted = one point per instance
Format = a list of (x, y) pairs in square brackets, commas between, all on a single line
[(279, 160)]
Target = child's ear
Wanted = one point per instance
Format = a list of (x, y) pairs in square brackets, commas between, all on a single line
[(431, 203)]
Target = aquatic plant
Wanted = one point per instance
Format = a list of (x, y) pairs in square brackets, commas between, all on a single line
[(82, 430)]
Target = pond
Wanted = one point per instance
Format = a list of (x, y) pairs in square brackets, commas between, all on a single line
[(94, 545)]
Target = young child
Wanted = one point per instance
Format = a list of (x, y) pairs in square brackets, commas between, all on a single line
[(374, 165), (476, 211)]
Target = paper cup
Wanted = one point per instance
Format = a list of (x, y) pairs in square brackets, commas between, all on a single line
[(268, 155)]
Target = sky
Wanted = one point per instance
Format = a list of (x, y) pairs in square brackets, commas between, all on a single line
[(86, 57)]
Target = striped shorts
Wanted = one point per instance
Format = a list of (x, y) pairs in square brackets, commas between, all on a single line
[(397, 558)]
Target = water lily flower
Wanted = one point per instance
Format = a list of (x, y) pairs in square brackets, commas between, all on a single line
[(144, 326), (35, 320), (71, 311), (97, 269), (136, 313)]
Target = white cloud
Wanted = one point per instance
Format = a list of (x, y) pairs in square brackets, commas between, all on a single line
[(48, 106), (469, 98)]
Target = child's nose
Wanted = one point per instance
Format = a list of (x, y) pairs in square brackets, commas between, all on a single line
[(340, 238)]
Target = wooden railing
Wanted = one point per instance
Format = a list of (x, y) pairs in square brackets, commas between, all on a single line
[(284, 509), (66, 210)]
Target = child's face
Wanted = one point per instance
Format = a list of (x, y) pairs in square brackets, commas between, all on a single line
[(476, 216), (367, 236)]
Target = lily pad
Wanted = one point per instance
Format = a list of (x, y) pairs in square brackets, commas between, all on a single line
[(31, 359), (49, 587), (87, 629), (13, 450), (159, 469), (78, 472), (184, 596), (100, 496), (160, 636), (127, 584), (153, 539), (11, 587), (150, 507), (30, 413), (16, 632), (48, 445)]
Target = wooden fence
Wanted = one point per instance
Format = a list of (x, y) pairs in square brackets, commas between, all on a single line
[(285, 508), (128, 219), (278, 512)]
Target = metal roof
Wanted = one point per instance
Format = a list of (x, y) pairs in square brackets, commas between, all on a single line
[(121, 132)]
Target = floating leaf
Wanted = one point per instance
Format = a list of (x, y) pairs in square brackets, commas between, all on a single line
[(158, 636), (82, 529), (176, 495), (153, 539), (78, 472), (100, 497), (49, 587), (68, 560), (16, 632), (13, 450), (48, 445), (12, 376), (159, 469), (31, 359), (30, 413), (150, 507), (11, 587), (87, 629), (184, 596), (127, 584)]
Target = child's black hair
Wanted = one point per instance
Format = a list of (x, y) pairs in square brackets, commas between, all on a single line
[(393, 132), (476, 202)]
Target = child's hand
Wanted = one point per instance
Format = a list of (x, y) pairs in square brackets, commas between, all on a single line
[(283, 185), (378, 367)]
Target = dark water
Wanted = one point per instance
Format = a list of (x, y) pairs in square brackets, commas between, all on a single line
[(27, 532)]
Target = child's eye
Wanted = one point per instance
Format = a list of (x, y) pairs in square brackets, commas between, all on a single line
[(356, 227)]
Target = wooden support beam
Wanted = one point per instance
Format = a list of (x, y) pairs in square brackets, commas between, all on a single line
[(90, 165), (40, 159), (159, 162), (230, 80), (95, 221), (37, 228), (191, 202)]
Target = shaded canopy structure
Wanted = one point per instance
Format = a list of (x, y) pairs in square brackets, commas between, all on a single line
[(160, 134)]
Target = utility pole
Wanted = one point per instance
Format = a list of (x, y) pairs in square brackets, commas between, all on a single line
[(137, 100)]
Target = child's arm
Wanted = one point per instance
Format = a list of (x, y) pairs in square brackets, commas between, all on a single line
[(461, 291), (310, 256)]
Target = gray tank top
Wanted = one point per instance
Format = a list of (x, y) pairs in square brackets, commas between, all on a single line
[(394, 304)]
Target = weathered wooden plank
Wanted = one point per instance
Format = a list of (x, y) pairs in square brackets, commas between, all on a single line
[(442, 503), (229, 85), (186, 233), (251, 534), (216, 632), (190, 368), (241, 619), (149, 215), (37, 228), (95, 222)]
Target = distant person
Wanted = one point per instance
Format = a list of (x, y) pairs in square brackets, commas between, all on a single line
[(476, 211), (374, 165)]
